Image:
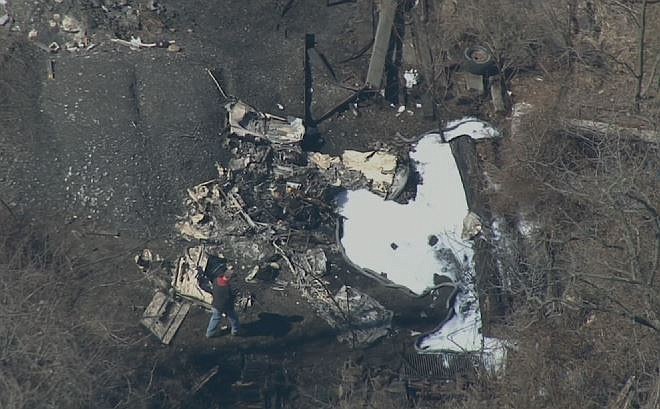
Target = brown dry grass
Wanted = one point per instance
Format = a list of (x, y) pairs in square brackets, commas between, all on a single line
[(48, 356)]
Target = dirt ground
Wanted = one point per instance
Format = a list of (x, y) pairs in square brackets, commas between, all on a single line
[(106, 149)]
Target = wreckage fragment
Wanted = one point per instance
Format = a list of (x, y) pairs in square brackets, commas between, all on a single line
[(356, 316), (186, 284), (380, 171), (377, 166), (152, 267), (367, 321), (245, 120), (186, 279), (164, 315), (209, 207), (471, 226)]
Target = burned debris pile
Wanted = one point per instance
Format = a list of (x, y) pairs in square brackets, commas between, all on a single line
[(271, 210)]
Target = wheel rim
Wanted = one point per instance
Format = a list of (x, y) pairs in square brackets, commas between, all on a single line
[(479, 56)]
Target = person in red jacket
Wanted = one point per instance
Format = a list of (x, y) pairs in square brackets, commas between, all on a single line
[(223, 305)]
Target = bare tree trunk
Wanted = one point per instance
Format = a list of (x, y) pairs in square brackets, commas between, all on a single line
[(640, 61)]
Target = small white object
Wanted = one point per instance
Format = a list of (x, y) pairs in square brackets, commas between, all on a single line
[(280, 107), (32, 34), (70, 25), (418, 105), (401, 109), (411, 77)]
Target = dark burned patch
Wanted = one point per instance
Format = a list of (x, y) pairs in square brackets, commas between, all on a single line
[(270, 324), (222, 378)]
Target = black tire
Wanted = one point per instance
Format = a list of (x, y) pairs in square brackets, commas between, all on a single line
[(478, 60)]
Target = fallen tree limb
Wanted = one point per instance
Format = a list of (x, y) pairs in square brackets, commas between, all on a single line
[(624, 397), (604, 128)]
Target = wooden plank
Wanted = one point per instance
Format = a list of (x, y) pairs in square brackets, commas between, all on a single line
[(181, 313), (163, 316), (381, 44), (205, 379), (497, 94)]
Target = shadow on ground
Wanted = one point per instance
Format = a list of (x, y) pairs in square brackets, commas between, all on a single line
[(270, 324)]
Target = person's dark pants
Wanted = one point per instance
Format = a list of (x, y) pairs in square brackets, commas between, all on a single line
[(216, 318)]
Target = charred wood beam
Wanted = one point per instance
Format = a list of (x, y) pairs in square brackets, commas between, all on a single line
[(381, 44)]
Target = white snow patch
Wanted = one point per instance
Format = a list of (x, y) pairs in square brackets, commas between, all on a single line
[(392, 238), (472, 127), (462, 333)]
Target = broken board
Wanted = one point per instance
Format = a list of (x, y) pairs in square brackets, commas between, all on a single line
[(164, 315)]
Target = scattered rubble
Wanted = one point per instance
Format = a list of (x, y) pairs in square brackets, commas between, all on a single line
[(385, 174), (358, 318), (268, 200)]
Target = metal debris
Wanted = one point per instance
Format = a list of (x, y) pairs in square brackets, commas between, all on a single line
[(471, 226), (135, 43), (245, 120)]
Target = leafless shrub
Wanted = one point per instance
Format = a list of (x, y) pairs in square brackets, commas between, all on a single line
[(48, 358), (583, 282), (519, 34)]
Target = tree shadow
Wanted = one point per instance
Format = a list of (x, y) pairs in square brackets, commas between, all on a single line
[(270, 324)]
